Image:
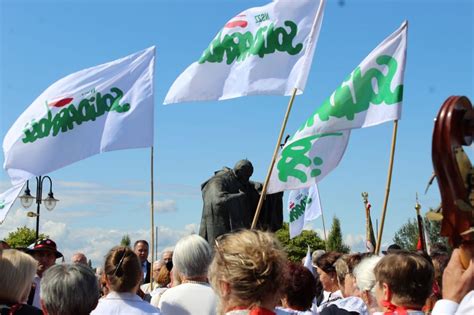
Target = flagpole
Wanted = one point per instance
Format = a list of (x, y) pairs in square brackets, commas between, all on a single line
[(156, 243), (365, 198), (152, 212), (324, 230), (267, 179), (387, 190)]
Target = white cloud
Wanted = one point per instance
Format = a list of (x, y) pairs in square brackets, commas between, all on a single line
[(94, 242), (355, 242), (165, 206)]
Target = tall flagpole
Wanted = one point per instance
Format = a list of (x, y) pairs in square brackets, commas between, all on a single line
[(387, 190), (152, 212), (267, 179), (324, 230)]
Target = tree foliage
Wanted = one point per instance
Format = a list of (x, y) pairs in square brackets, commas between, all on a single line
[(125, 241), (407, 235), (335, 242), (23, 237), (297, 247)]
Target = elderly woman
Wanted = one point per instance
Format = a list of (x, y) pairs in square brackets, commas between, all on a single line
[(191, 258), (328, 277), (248, 272), (365, 279), (403, 289), (123, 275), (69, 290), (351, 303), (17, 271)]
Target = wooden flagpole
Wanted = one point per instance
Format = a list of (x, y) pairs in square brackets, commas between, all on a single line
[(152, 212), (267, 179), (324, 230), (387, 190)]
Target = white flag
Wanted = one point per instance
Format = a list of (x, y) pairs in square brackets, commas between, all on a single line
[(103, 108), (307, 160), (308, 261), (8, 198), (262, 50), (371, 95), (304, 205)]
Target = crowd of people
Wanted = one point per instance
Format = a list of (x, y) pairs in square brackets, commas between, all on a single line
[(244, 272)]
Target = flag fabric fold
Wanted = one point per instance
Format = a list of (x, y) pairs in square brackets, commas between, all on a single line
[(304, 206), (8, 198), (262, 50), (308, 262), (102, 108), (371, 95), (369, 234)]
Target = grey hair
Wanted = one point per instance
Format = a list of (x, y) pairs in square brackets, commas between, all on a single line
[(364, 273), (69, 289), (192, 256)]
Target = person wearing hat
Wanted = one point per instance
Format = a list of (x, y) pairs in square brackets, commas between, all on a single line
[(45, 253)]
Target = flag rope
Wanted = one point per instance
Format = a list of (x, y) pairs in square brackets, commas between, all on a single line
[(387, 191), (267, 179)]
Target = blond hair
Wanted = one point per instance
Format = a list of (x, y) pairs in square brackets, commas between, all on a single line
[(252, 263), (17, 272)]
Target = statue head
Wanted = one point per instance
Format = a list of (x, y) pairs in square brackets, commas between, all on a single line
[(243, 169)]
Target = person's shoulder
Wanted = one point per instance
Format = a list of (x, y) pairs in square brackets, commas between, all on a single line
[(25, 309), (334, 309)]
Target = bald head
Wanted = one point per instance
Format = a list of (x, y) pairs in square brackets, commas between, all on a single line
[(79, 258)]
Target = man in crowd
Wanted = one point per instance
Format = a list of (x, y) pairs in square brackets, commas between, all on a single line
[(141, 250), (79, 258), (46, 253), (69, 289), (167, 257)]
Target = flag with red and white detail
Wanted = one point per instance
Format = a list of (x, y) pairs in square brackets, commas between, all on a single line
[(262, 50), (304, 206), (103, 108)]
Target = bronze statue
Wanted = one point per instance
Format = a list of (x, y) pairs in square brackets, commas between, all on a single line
[(230, 199)]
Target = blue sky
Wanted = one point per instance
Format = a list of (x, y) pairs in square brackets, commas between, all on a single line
[(107, 196)]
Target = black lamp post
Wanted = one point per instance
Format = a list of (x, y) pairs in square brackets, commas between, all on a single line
[(27, 199)]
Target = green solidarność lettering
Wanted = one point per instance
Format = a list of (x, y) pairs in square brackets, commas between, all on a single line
[(299, 209), (294, 154), (89, 109), (238, 46), (364, 94)]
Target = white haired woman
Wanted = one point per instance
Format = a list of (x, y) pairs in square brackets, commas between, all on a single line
[(69, 290), (191, 258), (365, 278), (17, 271), (248, 272)]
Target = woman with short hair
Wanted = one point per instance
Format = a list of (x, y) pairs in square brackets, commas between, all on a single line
[(404, 282), (191, 258), (365, 279), (328, 277), (299, 293), (123, 275), (248, 272), (17, 271)]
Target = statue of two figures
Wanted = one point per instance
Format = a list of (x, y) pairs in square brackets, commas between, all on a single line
[(230, 199)]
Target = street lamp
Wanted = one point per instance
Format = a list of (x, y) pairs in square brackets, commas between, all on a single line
[(27, 199)]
